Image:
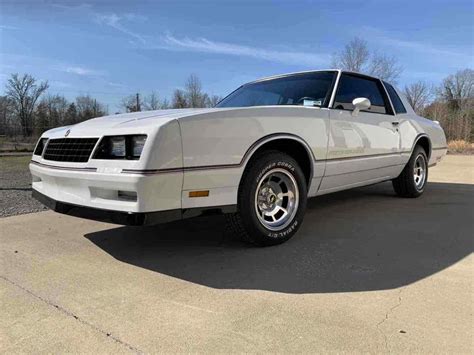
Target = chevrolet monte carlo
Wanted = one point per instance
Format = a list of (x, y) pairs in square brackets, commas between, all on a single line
[(257, 156)]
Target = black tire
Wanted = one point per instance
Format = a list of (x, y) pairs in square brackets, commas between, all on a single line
[(245, 224), (405, 184)]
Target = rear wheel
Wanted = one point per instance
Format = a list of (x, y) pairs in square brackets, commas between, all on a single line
[(272, 200), (413, 179)]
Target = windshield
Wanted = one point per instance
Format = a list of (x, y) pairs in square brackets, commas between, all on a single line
[(289, 90)]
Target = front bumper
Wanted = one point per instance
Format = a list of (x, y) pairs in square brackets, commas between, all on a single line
[(130, 218), (118, 217), (93, 194), (108, 189)]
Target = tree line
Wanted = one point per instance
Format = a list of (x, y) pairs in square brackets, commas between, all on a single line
[(27, 109), (23, 113), (192, 96)]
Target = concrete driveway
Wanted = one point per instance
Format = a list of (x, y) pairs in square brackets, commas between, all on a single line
[(368, 272)]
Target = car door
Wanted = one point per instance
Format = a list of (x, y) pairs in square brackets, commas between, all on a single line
[(363, 147)]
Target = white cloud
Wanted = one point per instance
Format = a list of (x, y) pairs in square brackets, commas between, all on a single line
[(116, 85), (426, 48), (208, 46), (6, 27), (59, 84), (204, 45), (116, 21), (72, 7), (421, 47), (78, 70)]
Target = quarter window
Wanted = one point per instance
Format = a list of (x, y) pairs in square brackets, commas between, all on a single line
[(351, 87), (396, 101)]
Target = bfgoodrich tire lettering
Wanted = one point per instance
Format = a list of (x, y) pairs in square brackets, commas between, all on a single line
[(272, 200)]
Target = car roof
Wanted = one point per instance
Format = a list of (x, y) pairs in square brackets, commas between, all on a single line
[(310, 71)]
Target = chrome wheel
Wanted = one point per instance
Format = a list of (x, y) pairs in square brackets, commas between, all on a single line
[(419, 172), (276, 199)]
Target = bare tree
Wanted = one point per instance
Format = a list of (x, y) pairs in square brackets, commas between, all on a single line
[(213, 100), (418, 95), (50, 112), (165, 104), (353, 57), (127, 103), (384, 67), (457, 89), (454, 107), (24, 93), (356, 56), (6, 110), (179, 99), (194, 95), (57, 106), (131, 103), (152, 102), (71, 114), (41, 118), (88, 107)]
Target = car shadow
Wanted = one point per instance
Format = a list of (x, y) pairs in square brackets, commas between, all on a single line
[(358, 240)]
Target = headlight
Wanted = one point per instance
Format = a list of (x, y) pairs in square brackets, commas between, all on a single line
[(40, 146), (137, 145), (117, 147), (120, 147)]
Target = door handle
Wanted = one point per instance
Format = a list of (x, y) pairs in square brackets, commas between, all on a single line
[(395, 123)]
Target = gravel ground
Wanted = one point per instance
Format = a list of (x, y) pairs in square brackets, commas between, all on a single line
[(15, 187)]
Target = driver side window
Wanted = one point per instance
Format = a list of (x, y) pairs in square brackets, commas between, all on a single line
[(352, 86)]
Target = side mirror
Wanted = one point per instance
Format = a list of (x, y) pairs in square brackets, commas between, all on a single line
[(360, 103)]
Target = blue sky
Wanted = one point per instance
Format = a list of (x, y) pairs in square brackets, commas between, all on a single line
[(110, 49)]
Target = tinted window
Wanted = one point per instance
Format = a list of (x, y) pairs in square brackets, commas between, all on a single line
[(351, 87), (397, 103), (288, 90)]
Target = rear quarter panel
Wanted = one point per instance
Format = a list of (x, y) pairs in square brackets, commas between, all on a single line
[(413, 126)]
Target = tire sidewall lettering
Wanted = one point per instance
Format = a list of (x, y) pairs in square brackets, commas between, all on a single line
[(284, 232), (279, 164)]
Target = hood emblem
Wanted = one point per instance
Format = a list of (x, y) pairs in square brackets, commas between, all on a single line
[(67, 133)]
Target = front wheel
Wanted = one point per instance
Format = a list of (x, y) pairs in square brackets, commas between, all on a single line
[(272, 200), (413, 179)]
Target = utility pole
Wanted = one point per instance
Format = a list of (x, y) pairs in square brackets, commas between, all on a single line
[(138, 102)]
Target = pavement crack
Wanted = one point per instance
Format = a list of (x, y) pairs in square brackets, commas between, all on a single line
[(70, 314), (387, 315)]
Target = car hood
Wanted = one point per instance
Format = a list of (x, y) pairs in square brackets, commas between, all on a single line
[(120, 123)]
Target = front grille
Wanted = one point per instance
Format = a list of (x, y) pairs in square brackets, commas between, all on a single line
[(77, 150)]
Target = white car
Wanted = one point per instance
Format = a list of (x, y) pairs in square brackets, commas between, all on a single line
[(256, 157)]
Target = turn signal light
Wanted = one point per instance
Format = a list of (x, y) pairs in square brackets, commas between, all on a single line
[(204, 193)]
